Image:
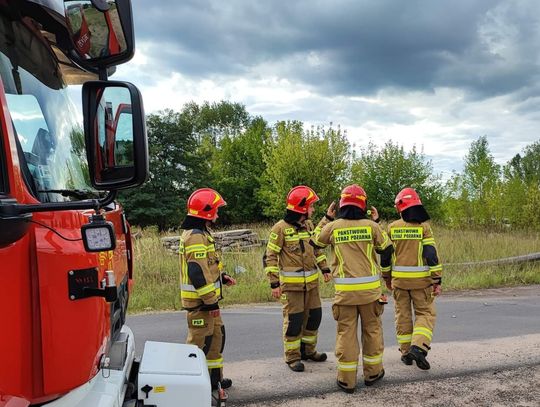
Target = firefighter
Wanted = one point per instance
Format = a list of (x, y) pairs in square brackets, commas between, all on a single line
[(290, 263), (415, 277), (355, 239), (202, 280)]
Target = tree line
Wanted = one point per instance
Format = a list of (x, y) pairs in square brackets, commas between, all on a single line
[(254, 164)]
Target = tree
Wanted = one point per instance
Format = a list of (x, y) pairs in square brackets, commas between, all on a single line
[(481, 180), (521, 189), (236, 169), (384, 171), (481, 174), (174, 168), (211, 124), (455, 207), (530, 213), (526, 167), (184, 148), (476, 197), (215, 120), (319, 158)]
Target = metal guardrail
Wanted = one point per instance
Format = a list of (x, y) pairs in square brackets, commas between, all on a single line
[(526, 258)]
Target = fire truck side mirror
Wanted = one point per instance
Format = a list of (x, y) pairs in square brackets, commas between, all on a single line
[(101, 32), (115, 135)]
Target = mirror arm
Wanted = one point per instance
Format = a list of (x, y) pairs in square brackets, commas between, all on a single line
[(102, 72), (14, 209), (108, 199)]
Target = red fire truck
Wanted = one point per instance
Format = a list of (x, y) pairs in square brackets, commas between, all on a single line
[(66, 263)]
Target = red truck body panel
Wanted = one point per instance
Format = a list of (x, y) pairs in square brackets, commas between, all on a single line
[(50, 344)]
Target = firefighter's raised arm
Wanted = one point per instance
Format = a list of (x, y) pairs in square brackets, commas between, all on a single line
[(321, 236)]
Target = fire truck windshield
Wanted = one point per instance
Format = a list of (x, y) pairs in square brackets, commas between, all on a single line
[(48, 130)]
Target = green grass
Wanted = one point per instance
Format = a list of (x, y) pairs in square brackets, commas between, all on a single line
[(156, 275), (157, 271), (456, 246), (485, 277)]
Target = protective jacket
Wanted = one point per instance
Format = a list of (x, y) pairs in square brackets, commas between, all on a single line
[(415, 263), (355, 268), (200, 271), (290, 261), (357, 282)]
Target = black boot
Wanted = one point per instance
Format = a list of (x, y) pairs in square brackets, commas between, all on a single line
[(419, 356), (315, 357), (371, 380), (344, 387), (406, 359), (215, 378), (225, 384), (296, 366)]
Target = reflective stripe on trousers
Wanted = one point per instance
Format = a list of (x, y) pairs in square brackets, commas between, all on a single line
[(421, 330), (309, 339), (214, 363), (292, 344), (373, 359), (407, 338), (347, 366)]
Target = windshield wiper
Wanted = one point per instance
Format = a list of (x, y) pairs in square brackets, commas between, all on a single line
[(73, 193)]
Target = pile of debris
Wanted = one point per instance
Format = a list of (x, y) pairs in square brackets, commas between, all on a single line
[(228, 241)]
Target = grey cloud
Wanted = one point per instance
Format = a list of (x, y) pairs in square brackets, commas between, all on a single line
[(361, 46), (349, 48), (348, 113), (445, 164)]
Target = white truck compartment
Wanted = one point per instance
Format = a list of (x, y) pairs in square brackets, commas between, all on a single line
[(173, 375)]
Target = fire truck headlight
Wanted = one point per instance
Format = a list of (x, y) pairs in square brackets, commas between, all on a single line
[(98, 237)]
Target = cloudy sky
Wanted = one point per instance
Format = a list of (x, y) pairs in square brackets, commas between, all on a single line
[(436, 74)]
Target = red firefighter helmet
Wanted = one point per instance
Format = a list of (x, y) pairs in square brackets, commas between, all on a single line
[(204, 203), (353, 195), (406, 198), (300, 198)]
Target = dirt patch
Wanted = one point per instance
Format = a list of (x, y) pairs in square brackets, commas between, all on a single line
[(462, 373), (515, 387)]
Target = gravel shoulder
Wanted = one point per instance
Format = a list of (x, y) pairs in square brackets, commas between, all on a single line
[(463, 373), (517, 387)]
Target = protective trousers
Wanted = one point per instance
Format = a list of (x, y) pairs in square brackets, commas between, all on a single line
[(347, 347), (208, 333), (302, 315), (420, 332)]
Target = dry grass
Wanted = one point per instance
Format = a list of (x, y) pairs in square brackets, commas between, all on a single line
[(157, 271)]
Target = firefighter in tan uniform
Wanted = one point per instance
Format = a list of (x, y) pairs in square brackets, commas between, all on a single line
[(202, 280), (415, 277), (355, 239), (290, 263)]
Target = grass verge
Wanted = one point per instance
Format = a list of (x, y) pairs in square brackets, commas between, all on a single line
[(157, 271)]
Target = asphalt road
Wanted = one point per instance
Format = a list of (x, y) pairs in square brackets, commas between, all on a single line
[(254, 332)]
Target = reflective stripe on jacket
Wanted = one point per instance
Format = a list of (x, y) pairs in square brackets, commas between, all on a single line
[(410, 266), (290, 260)]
